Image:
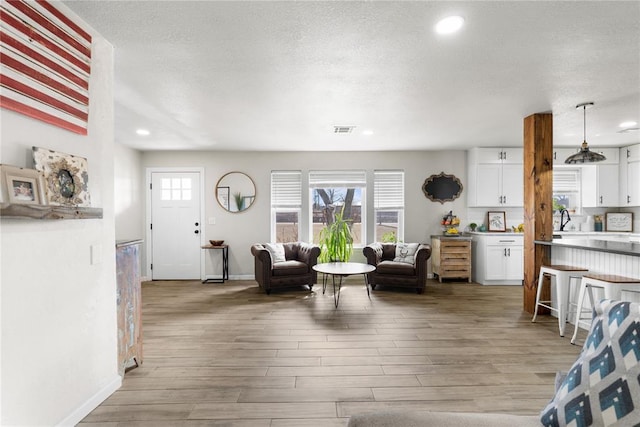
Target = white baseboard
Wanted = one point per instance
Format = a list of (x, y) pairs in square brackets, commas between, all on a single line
[(242, 277), (92, 403)]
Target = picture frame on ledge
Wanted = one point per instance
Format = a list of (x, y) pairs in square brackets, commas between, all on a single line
[(21, 186), (66, 177), (497, 221)]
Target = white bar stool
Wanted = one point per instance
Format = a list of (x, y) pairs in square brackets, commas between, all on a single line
[(611, 284), (561, 275)]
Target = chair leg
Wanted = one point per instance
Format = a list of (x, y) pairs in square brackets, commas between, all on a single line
[(583, 289), (539, 291)]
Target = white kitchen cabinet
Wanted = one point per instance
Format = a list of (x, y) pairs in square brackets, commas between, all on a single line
[(630, 176), (498, 259), (561, 154), (495, 177), (600, 184), (611, 154)]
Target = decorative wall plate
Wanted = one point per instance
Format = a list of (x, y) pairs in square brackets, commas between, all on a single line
[(66, 177), (442, 188)]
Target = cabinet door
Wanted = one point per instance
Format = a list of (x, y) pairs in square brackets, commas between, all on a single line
[(512, 185), (600, 185), (513, 156), (495, 262), (608, 185), (489, 155), (633, 153), (514, 263), (488, 185), (633, 183), (561, 154), (611, 154)]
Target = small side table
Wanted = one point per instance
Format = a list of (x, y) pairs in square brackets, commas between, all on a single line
[(225, 264)]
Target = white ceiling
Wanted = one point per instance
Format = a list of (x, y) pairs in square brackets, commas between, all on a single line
[(238, 75)]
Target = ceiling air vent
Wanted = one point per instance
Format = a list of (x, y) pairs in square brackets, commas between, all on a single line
[(343, 129)]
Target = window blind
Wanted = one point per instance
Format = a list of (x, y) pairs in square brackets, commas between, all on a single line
[(286, 189), (388, 190), (566, 181), (346, 178)]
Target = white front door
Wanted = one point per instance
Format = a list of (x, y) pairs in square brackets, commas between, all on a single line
[(175, 225)]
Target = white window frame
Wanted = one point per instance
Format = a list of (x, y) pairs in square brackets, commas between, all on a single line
[(568, 181), (286, 196), (388, 196), (353, 178)]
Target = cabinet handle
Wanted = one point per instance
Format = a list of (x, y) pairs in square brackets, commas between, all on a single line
[(628, 153), (628, 199), (504, 199), (600, 199), (555, 155), (505, 251), (506, 241), (509, 250)]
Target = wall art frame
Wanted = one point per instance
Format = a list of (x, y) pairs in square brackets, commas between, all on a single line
[(497, 221), (442, 188), (21, 186), (619, 221), (66, 177)]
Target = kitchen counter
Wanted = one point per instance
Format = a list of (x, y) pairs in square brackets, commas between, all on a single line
[(612, 247), (492, 233), (447, 237)]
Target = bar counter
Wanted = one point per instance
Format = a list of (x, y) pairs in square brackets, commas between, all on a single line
[(612, 247), (598, 256)]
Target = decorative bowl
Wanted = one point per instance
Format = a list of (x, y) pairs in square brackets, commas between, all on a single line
[(216, 242)]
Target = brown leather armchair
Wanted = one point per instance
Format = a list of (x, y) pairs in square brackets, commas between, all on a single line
[(393, 273), (295, 271)]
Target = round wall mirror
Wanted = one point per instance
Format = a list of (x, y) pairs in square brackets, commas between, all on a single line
[(235, 191)]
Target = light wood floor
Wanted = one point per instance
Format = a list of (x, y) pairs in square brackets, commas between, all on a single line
[(228, 354)]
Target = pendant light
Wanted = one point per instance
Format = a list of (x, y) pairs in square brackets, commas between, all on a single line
[(585, 155)]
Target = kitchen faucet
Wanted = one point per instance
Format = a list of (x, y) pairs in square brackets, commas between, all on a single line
[(562, 221)]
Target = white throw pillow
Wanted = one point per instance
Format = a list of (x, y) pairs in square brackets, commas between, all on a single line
[(277, 251), (406, 252)]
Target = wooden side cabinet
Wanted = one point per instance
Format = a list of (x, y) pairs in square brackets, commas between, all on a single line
[(451, 257), (129, 303)]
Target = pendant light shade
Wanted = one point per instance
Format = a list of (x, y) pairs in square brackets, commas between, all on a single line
[(585, 155)]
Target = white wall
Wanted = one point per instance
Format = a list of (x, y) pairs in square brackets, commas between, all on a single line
[(129, 194), (241, 230), (58, 310)]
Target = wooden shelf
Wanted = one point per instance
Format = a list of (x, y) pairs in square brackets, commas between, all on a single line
[(19, 211)]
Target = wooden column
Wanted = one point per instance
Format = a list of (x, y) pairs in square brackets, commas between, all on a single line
[(538, 207)]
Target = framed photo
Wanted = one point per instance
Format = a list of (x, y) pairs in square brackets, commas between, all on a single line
[(222, 195), (21, 186), (497, 220), (619, 221), (66, 177)]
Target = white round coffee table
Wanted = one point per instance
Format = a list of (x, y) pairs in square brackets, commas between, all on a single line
[(341, 270)]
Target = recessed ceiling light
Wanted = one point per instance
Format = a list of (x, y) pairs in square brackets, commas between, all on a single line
[(627, 124), (449, 25), (143, 132)]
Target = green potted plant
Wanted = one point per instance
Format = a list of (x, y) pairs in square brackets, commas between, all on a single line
[(239, 201), (336, 241)]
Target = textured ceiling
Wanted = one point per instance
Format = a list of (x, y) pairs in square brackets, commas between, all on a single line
[(208, 75)]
